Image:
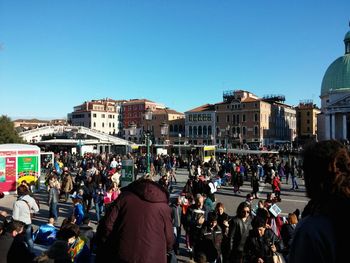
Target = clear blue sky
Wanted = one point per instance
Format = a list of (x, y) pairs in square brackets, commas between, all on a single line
[(183, 53)]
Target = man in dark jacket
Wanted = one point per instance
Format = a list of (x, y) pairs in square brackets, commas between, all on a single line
[(137, 226)]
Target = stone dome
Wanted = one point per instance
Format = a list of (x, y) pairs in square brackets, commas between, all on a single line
[(337, 76)]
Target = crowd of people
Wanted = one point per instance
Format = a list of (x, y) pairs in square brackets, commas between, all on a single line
[(140, 223)]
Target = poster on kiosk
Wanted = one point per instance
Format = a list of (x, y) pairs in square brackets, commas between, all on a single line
[(18, 162)]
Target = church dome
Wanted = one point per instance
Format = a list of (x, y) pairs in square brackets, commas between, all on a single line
[(337, 76)]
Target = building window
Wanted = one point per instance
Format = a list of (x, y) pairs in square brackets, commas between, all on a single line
[(190, 117), (195, 130), (199, 117), (255, 117), (94, 115), (208, 117), (94, 124), (110, 125), (171, 128), (194, 117), (244, 130), (255, 105), (103, 124), (234, 119), (217, 118), (205, 131), (256, 129), (243, 117), (237, 118), (190, 130), (228, 118), (307, 113), (204, 117), (209, 130), (200, 130)]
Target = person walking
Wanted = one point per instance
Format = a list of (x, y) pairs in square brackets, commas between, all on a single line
[(53, 199), (321, 234), (238, 232), (137, 226), (23, 208)]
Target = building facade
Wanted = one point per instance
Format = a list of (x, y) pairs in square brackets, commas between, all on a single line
[(200, 125), (307, 113), (283, 121), (101, 115), (242, 118), (334, 119)]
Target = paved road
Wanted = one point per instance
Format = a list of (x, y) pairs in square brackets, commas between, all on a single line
[(291, 200)]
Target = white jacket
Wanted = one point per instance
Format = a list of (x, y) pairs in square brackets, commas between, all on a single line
[(22, 210)]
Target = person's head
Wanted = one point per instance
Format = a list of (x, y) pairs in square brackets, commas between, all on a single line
[(22, 190), (243, 210), (326, 168), (292, 219), (69, 232), (51, 220), (220, 208), (199, 199), (259, 225), (15, 227)]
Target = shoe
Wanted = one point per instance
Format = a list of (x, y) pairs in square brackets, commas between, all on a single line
[(297, 187)]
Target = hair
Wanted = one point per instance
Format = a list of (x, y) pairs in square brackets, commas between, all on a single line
[(240, 209), (68, 230), (219, 205), (326, 168), (16, 226), (22, 190), (292, 219), (258, 222)]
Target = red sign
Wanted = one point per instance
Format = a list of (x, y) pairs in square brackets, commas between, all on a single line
[(28, 152), (7, 153)]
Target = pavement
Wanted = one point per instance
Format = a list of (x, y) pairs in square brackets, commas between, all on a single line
[(291, 200)]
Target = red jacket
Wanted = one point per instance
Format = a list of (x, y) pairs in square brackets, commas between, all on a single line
[(137, 227)]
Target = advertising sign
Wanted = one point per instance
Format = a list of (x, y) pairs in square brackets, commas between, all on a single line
[(127, 172), (28, 168), (7, 174)]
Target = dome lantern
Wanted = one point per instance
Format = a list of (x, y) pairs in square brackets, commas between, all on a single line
[(347, 42)]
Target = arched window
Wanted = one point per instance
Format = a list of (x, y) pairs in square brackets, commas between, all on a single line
[(195, 130), (190, 130), (256, 130), (209, 130), (244, 130), (199, 130), (205, 131)]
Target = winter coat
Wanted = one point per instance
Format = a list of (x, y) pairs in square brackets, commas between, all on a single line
[(137, 226)]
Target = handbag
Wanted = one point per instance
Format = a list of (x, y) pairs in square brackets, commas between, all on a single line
[(278, 258)]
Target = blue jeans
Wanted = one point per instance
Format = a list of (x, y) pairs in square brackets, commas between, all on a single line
[(99, 210), (294, 182), (29, 236), (53, 210)]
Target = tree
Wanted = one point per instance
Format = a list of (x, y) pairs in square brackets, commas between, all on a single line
[(8, 133)]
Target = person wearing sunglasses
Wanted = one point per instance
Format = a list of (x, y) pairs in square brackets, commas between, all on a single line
[(238, 232)]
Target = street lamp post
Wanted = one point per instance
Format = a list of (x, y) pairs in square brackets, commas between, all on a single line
[(148, 117), (180, 145), (226, 138)]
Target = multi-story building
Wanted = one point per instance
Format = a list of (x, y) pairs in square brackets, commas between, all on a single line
[(282, 127), (200, 125), (101, 115), (242, 118), (134, 109), (307, 113), (167, 126)]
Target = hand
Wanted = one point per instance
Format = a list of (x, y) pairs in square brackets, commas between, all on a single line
[(273, 248), (260, 260), (226, 223)]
